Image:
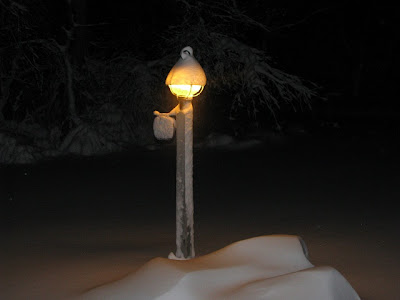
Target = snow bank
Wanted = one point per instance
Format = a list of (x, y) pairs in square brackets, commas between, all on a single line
[(267, 267)]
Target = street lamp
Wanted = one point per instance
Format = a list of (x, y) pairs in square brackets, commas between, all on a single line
[(185, 80)]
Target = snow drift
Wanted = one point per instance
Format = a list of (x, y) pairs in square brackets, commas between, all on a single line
[(267, 267)]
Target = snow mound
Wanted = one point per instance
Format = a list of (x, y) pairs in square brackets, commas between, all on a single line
[(267, 267)]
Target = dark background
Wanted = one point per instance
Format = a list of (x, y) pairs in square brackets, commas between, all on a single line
[(348, 51), (328, 171)]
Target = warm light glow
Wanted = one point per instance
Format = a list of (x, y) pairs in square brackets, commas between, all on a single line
[(186, 91), (187, 78)]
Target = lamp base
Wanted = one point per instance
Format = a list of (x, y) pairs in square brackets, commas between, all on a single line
[(172, 256)]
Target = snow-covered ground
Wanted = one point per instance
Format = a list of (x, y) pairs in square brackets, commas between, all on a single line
[(73, 225), (270, 267)]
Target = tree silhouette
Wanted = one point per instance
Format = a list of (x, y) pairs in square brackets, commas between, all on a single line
[(66, 88)]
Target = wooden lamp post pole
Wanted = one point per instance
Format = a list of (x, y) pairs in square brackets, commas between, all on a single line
[(185, 80), (184, 181)]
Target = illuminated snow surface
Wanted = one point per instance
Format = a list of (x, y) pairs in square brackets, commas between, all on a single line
[(75, 227), (267, 267)]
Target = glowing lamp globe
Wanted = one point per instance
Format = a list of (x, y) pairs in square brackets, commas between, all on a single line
[(187, 78)]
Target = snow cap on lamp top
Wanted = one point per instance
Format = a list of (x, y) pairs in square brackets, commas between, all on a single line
[(187, 71)]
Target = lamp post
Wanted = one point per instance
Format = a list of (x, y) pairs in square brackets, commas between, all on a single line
[(185, 80)]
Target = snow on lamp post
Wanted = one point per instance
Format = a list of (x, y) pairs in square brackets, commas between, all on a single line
[(185, 80)]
